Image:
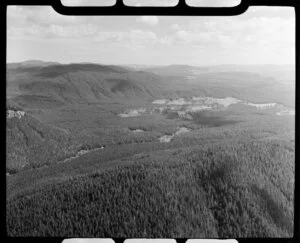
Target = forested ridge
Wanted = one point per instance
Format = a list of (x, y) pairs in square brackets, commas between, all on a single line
[(221, 190)]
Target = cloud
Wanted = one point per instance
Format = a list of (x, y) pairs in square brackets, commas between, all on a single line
[(244, 32), (54, 31), (39, 15), (234, 37), (270, 33), (131, 39), (175, 27), (166, 40), (196, 38), (142, 35), (81, 31), (150, 20)]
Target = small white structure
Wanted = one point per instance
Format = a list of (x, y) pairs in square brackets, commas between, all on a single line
[(286, 113), (10, 114), (226, 101), (262, 106), (132, 112), (179, 102), (166, 138), (137, 131), (159, 102)]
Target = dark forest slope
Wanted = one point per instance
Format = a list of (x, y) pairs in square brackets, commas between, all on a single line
[(30, 143), (235, 189), (56, 85)]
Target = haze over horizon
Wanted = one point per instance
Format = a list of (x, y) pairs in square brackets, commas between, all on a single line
[(143, 64), (262, 35)]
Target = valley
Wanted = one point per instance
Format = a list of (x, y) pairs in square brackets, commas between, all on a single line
[(207, 149)]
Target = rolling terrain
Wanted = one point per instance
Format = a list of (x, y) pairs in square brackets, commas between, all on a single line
[(31, 143), (178, 151)]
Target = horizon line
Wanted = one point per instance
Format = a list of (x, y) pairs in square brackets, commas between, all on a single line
[(161, 65)]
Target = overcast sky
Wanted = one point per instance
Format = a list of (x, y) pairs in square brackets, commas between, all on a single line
[(262, 35)]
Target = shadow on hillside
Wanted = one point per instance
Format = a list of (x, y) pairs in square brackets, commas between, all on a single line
[(212, 121), (280, 218)]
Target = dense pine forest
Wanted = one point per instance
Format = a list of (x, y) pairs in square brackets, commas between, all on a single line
[(107, 151)]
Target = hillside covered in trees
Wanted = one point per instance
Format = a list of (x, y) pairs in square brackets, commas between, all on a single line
[(109, 151)]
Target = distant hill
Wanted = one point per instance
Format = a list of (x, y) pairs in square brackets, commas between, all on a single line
[(73, 83), (40, 86), (139, 67), (31, 63), (57, 85), (274, 71), (283, 72), (259, 83), (177, 70)]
